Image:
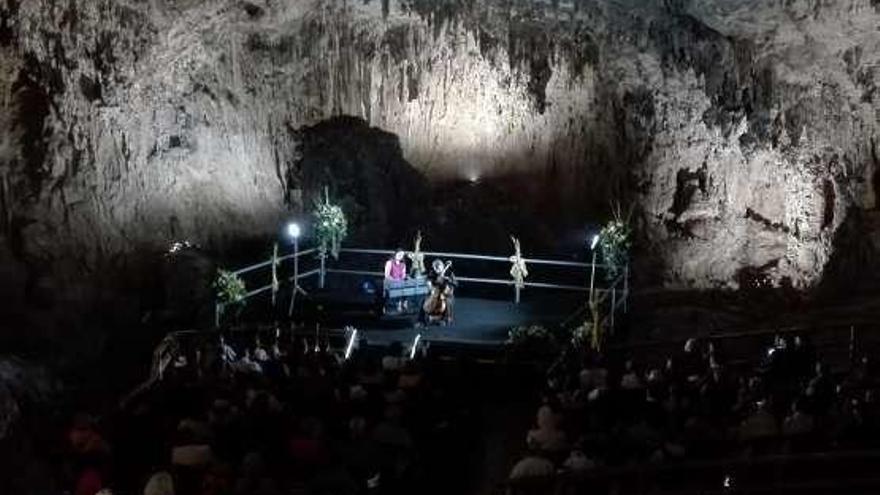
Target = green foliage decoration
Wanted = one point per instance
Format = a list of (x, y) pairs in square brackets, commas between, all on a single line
[(615, 242), (533, 340), (591, 332), (331, 226), (230, 288)]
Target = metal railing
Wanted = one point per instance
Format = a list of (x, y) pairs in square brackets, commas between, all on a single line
[(294, 278), (614, 295), (478, 280), (610, 298)]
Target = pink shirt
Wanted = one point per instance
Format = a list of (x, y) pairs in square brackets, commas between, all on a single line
[(395, 270)]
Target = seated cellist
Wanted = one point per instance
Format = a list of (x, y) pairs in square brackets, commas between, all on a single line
[(438, 306)]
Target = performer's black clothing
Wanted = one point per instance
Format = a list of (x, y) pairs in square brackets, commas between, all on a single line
[(446, 285), (447, 280)]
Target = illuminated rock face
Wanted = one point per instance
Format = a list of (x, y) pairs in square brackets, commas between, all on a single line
[(742, 130)]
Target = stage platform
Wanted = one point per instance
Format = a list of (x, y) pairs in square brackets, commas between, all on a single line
[(343, 292), (478, 321)]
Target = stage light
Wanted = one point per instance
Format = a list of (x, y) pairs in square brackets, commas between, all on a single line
[(474, 178), (594, 242), (351, 342), (412, 352), (293, 230), (727, 484)]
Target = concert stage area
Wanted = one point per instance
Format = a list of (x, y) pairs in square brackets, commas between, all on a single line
[(479, 321), (334, 294)]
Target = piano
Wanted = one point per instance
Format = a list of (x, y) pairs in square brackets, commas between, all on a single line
[(405, 297), (407, 288)]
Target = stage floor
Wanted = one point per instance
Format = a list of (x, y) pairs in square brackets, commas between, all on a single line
[(477, 321)]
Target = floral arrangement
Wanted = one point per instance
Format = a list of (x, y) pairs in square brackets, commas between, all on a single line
[(331, 227), (417, 257), (592, 331), (582, 335), (525, 333), (518, 269), (588, 334), (230, 288), (615, 242), (533, 340)]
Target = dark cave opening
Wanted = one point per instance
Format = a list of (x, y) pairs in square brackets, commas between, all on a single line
[(388, 200), (33, 108), (829, 203), (364, 170)]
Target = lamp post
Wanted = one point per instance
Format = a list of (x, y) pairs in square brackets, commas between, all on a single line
[(593, 243), (294, 231)]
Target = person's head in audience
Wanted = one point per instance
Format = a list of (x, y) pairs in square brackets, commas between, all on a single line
[(670, 368), (160, 483), (546, 418), (585, 379), (357, 427), (630, 379), (577, 460), (260, 355), (532, 465)]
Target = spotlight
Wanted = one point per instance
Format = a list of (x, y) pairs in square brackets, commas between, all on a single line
[(594, 242), (415, 346), (727, 484), (474, 178), (351, 342), (293, 230)]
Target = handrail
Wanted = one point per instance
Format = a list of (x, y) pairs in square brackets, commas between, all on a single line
[(602, 293), (750, 333), (477, 280), (262, 264), (494, 281), (264, 288), (483, 257), (601, 297)]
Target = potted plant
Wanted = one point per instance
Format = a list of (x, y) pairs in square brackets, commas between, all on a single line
[(231, 293)]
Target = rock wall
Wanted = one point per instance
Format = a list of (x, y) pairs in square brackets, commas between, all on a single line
[(743, 131)]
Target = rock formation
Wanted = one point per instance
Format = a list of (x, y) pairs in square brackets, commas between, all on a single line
[(363, 170), (743, 130)]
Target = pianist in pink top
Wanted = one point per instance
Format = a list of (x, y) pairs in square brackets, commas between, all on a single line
[(395, 268)]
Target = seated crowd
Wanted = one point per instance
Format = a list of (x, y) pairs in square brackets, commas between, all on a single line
[(598, 413), (293, 417), (282, 418)]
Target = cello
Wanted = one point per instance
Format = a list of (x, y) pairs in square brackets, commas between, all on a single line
[(436, 304)]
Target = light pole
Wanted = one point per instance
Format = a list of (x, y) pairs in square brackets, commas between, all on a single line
[(593, 244), (294, 231)]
